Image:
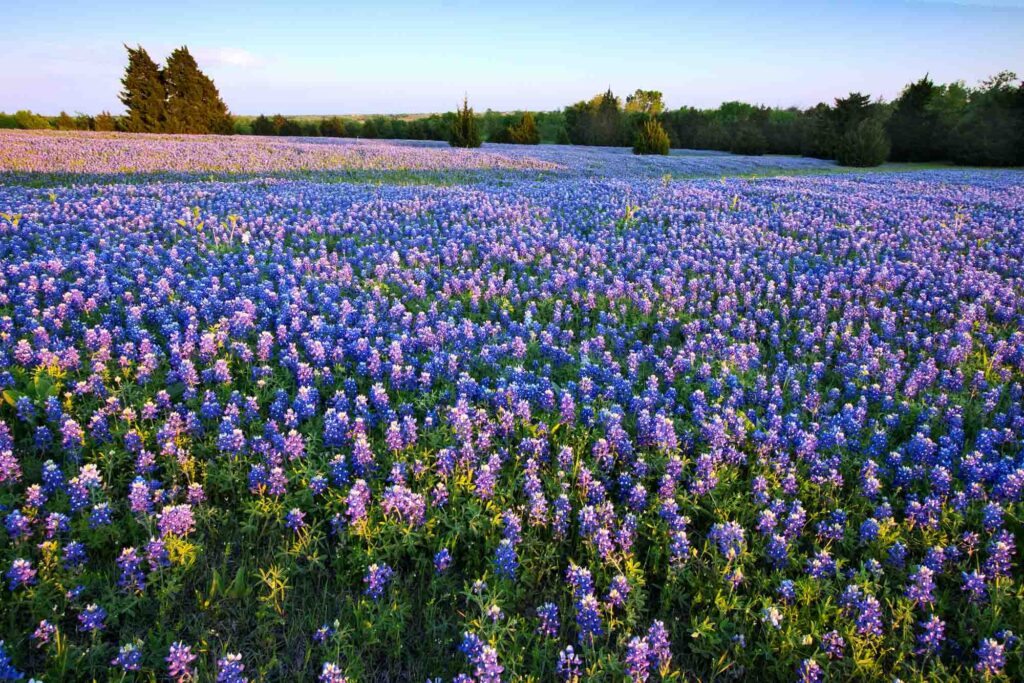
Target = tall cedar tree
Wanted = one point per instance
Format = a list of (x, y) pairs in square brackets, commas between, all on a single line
[(914, 125), (143, 94), (525, 132), (193, 103), (464, 132)]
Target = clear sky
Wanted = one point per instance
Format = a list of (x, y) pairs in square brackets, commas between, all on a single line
[(335, 56)]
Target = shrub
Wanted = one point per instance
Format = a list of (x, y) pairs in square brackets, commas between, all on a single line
[(866, 144), (651, 138), (464, 132)]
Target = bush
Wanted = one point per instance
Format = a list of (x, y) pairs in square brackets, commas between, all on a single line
[(864, 145), (464, 132), (651, 138)]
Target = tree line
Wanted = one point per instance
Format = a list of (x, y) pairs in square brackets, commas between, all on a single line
[(928, 121), (982, 125)]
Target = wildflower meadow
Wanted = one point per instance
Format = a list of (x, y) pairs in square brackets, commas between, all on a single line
[(366, 411)]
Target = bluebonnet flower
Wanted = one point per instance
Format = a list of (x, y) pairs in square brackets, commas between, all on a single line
[(588, 619), (44, 633), (442, 560), (921, 586), (129, 658), (505, 559), (786, 591), (377, 578), (729, 538), (92, 618), (809, 671), (332, 673), (569, 666), (21, 574), (929, 639), (549, 622), (991, 656), (833, 644), (295, 520), (638, 659), (7, 670), (230, 668)]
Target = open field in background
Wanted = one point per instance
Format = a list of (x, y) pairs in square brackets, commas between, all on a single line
[(396, 411)]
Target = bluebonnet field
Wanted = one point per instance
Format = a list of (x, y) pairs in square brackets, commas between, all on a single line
[(565, 418)]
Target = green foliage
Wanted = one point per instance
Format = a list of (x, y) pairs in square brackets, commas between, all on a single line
[(597, 122), (287, 127), (914, 127), (645, 102), (332, 127), (748, 139), (525, 132), (928, 122), (27, 120), (176, 99), (143, 93), (464, 131), (651, 138), (193, 102), (991, 131), (863, 145), (104, 122), (262, 125), (65, 122)]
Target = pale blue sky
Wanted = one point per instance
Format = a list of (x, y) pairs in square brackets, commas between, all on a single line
[(369, 57)]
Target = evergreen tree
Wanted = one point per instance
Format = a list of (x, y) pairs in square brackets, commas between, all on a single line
[(193, 103), (464, 132), (607, 126), (863, 145), (913, 126), (651, 138), (525, 132), (143, 93), (262, 125)]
